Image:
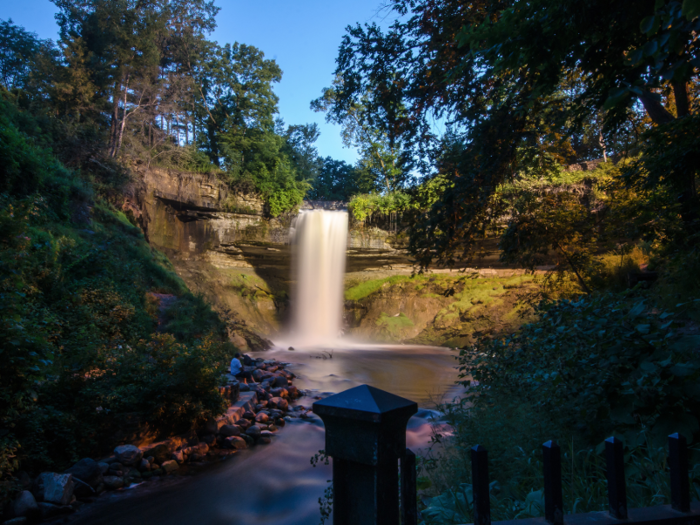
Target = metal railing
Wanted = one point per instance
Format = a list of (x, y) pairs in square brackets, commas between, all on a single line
[(366, 437)]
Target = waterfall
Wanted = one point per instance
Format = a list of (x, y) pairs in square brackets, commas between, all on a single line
[(319, 243)]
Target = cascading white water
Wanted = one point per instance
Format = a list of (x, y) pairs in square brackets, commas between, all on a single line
[(320, 243)]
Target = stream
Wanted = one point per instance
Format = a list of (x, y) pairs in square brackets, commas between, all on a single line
[(275, 483)]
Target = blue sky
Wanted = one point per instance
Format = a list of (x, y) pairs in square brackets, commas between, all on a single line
[(302, 36)]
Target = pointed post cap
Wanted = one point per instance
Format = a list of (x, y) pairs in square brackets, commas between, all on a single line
[(365, 424), (365, 403)]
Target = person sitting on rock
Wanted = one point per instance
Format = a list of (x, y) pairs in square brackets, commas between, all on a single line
[(238, 371)]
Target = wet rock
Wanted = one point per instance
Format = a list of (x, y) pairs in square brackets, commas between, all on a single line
[(230, 430), (160, 452), (133, 474), (280, 422), (272, 428), (264, 440), (248, 439), (104, 467), (170, 466), (279, 403), (179, 457), (243, 423), (280, 381), (262, 417), (25, 505), (145, 465), (248, 415), (253, 431), (236, 443), (293, 392), (129, 454), (113, 482), (276, 413), (49, 510), (56, 488), (87, 475)]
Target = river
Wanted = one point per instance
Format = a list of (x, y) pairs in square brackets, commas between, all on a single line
[(275, 484)]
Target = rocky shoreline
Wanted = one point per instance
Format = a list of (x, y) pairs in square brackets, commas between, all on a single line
[(258, 410)]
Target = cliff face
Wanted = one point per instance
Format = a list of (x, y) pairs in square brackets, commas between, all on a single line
[(223, 246)]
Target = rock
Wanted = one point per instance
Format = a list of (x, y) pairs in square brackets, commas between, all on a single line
[(243, 423), (230, 430), (272, 428), (264, 440), (160, 452), (129, 454), (280, 381), (248, 439), (209, 439), (279, 403), (236, 443), (276, 414), (170, 466), (113, 482), (293, 392), (258, 375), (253, 431), (248, 415), (133, 474), (244, 388), (266, 433), (16, 521), (49, 510), (87, 475), (262, 417), (56, 488), (144, 465), (280, 422), (104, 467), (179, 457), (25, 505), (151, 459)]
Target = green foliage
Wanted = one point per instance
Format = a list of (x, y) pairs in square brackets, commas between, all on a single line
[(81, 364), (365, 288), (601, 363), (364, 206)]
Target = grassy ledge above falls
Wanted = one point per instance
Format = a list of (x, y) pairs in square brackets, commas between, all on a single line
[(437, 309)]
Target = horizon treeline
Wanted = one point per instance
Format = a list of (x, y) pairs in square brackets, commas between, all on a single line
[(141, 83)]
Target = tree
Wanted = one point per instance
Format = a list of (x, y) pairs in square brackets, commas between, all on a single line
[(336, 181), (518, 80)]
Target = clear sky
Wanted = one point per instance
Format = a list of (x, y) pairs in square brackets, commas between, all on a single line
[(302, 36)]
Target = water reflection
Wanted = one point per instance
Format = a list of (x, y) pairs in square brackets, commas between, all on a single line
[(275, 484)]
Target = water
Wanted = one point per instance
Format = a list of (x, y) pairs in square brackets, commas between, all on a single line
[(276, 484), (320, 242)]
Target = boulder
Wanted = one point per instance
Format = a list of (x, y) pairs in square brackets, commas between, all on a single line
[(179, 457), (56, 488), (170, 466), (280, 422), (280, 381), (253, 431), (144, 465), (279, 403), (160, 453), (25, 505), (128, 454), (248, 415), (87, 475), (262, 417), (24, 480), (243, 423), (104, 467), (264, 440), (236, 443), (113, 482), (230, 430)]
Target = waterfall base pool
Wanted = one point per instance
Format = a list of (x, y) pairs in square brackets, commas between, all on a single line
[(275, 483)]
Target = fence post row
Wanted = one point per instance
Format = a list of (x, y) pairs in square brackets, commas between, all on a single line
[(366, 436)]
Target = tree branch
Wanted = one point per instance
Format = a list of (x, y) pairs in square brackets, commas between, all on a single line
[(656, 111)]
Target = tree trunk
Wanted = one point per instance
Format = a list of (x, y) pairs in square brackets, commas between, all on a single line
[(115, 119), (680, 92), (124, 115), (658, 114)]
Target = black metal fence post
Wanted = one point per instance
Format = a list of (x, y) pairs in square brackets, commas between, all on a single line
[(678, 461), (365, 436), (480, 486), (409, 493), (617, 488), (553, 496)]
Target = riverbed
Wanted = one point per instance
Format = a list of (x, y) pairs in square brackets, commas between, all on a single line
[(275, 484)]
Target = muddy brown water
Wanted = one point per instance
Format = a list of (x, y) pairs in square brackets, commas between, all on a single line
[(275, 484)]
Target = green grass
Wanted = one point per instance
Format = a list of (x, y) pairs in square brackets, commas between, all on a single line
[(366, 288)]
